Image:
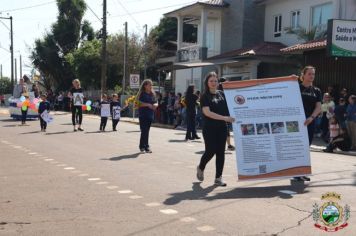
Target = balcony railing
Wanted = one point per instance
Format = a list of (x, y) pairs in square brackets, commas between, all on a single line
[(192, 54)]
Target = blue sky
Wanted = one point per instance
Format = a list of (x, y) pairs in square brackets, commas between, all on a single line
[(31, 23)]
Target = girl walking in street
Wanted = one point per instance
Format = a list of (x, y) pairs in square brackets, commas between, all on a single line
[(215, 114), (115, 109), (77, 97), (146, 106), (43, 106), (104, 112)]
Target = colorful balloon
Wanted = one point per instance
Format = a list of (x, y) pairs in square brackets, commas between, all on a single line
[(84, 108), (19, 104), (24, 108), (88, 108), (32, 106), (88, 103), (22, 98)]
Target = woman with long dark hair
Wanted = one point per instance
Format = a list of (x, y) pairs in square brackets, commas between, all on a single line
[(191, 102), (146, 106), (215, 114)]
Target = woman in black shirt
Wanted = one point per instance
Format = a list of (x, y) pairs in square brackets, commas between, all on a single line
[(215, 114), (77, 98), (191, 101)]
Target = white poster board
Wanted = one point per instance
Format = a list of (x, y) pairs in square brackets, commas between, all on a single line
[(116, 112), (134, 81), (105, 110), (78, 99), (46, 116), (270, 136)]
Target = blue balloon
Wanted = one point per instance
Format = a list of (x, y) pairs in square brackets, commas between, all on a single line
[(22, 98), (88, 103)]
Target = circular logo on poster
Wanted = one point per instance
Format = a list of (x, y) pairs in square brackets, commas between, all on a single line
[(239, 99)]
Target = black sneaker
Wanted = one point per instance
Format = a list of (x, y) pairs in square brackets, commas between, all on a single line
[(80, 129), (114, 130), (75, 130), (328, 150), (142, 150), (197, 137), (305, 178), (147, 150), (231, 148), (200, 174)]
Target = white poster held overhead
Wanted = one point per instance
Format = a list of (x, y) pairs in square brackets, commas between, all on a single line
[(134, 81), (270, 136), (105, 110), (78, 99), (46, 116), (116, 112)]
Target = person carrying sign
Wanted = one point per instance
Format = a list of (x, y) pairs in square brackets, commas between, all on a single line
[(216, 115), (115, 110), (77, 97), (43, 106), (104, 112)]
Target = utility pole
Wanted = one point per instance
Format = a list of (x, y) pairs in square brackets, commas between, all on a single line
[(11, 49), (125, 60), (20, 76), (1, 71), (103, 52), (145, 51), (15, 71)]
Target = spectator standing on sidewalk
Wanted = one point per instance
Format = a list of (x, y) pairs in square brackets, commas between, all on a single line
[(351, 120)]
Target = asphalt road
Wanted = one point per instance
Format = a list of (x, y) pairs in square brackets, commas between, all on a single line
[(92, 183)]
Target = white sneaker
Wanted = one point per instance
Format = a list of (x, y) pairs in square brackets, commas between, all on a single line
[(219, 182), (200, 174)]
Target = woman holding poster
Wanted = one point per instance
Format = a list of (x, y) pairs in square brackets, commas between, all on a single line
[(77, 97), (216, 114), (311, 97)]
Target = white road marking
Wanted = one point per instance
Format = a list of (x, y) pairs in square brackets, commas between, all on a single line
[(153, 204), (32, 153), (17, 147), (76, 171), (49, 159), (112, 187), (69, 168), (135, 197), (125, 191), (205, 228), (81, 175), (190, 145), (169, 211), (54, 162), (176, 162), (102, 182), (62, 165), (94, 179), (188, 219)]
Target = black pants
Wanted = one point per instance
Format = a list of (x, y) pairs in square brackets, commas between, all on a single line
[(114, 124), (191, 130), (103, 122), (23, 116), (215, 139), (78, 110), (311, 129), (145, 125), (43, 123)]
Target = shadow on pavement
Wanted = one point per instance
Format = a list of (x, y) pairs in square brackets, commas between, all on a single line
[(196, 193), (62, 132), (177, 141), (32, 132), (200, 152), (67, 124), (123, 157), (199, 193), (133, 131)]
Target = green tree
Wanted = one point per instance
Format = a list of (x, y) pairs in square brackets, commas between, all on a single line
[(306, 35), (5, 85), (49, 53)]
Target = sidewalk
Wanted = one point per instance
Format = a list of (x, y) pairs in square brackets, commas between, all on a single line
[(317, 146)]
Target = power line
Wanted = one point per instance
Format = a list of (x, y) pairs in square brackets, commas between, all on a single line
[(28, 7), (7, 27), (94, 13), (153, 9), (138, 24)]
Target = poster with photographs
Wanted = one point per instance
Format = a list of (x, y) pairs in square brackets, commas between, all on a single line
[(78, 99), (270, 137), (105, 110), (116, 112)]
